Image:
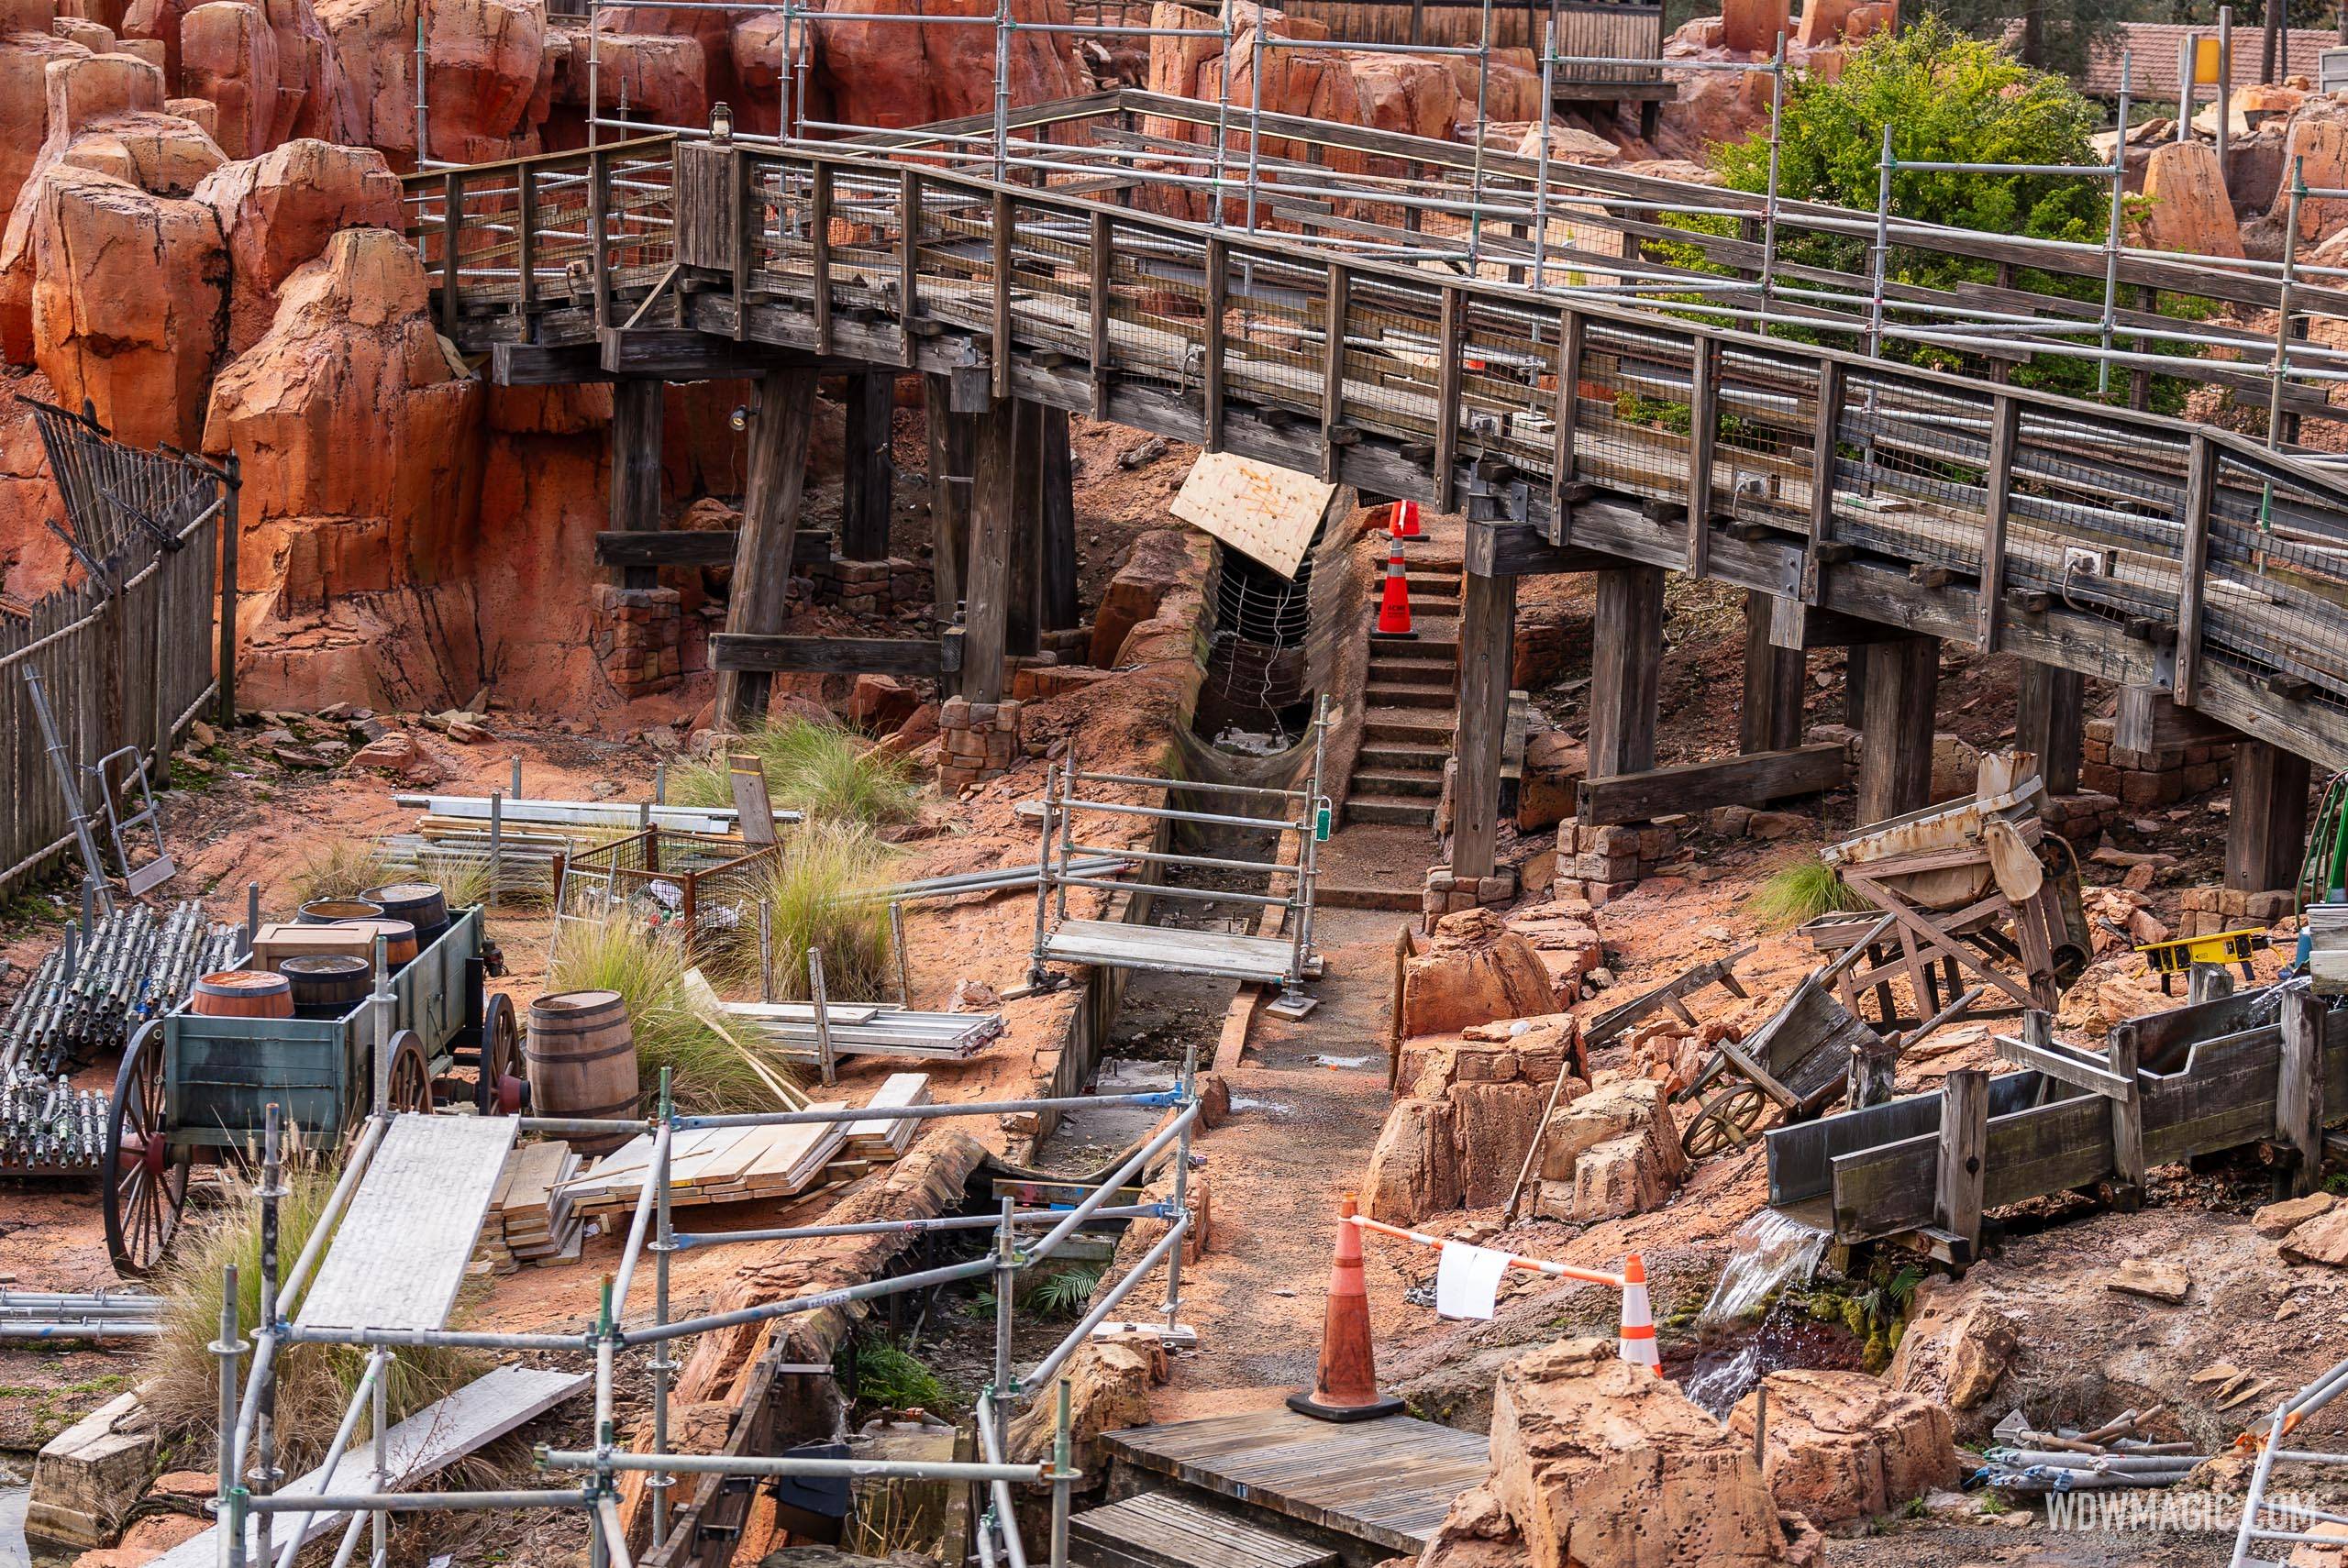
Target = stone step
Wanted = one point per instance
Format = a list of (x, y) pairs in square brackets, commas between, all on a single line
[(1411, 811), (1409, 758), (1425, 641), (1385, 669), (1410, 726), (1390, 695), (1384, 781)]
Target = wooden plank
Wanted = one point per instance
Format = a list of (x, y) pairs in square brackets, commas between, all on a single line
[(1625, 666), (1827, 409), (1571, 342), (738, 652), (1212, 369), (1448, 370), (987, 589), (2200, 484), (1337, 291), (669, 547), (2005, 426), (399, 1254), (819, 244), (1519, 549), (2060, 1064), (427, 1443), (2299, 1088), (1699, 786)]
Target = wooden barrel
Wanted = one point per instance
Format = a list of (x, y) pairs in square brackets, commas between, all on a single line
[(327, 982), (582, 1051), (243, 993), (418, 903), (332, 912), (400, 943)]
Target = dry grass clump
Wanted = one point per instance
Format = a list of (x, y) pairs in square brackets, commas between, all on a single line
[(825, 772), (1800, 892), (709, 1072), (342, 868), (821, 891)]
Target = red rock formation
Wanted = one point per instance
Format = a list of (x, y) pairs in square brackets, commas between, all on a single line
[(2186, 205), (33, 560), (1754, 25), (360, 434), (484, 59), (26, 47), (228, 55), (661, 79), (899, 74), (277, 213)]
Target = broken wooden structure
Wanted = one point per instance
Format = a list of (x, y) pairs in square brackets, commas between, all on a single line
[(2266, 1068)]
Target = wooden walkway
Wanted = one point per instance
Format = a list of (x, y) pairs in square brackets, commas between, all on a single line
[(1387, 1482), (399, 1255)]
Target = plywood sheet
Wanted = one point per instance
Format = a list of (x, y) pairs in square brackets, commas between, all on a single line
[(1268, 514), (399, 1252)]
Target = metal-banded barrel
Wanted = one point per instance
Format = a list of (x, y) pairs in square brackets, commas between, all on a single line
[(331, 911), (582, 1051), (243, 993), (327, 983), (418, 903)]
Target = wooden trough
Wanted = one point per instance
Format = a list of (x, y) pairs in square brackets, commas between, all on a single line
[(2268, 1065)]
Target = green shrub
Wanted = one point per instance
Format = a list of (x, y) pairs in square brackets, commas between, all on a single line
[(895, 1379)]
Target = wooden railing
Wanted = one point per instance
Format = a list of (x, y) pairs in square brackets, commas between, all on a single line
[(2132, 546)]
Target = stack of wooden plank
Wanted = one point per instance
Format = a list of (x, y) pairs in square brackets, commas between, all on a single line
[(883, 1138), (530, 1218), (714, 1164)]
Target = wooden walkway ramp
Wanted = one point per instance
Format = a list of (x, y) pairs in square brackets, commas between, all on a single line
[(1386, 1482), (399, 1255)]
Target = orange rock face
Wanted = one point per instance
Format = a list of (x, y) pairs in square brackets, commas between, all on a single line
[(277, 213), (2187, 206), (1754, 25), (271, 71), (658, 77), (899, 74), (484, 61), (359, 432)]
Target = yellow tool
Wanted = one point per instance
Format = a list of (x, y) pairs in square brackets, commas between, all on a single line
[(2179, 955)]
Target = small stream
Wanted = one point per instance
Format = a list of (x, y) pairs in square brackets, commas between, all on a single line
[(1744, 1333)]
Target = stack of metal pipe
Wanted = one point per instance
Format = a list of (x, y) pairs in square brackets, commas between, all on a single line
[(48, 1125), (78, 1315), (2063, 1459), (95, 987)]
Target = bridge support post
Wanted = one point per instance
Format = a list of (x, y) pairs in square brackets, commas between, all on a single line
[(2049, 720), (1771, 717), (988, 590), (1058, 526), (1625, 669), (1487, 654), (1895, 746), (1024, 622), (2266, 834), (634, 487), (777, 476), (952, 462), (866, 488)]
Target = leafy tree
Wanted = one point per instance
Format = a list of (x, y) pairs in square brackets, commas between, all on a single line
[(2052, 35)]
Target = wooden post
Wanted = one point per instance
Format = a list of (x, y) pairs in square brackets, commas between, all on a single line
[(1098, 259), (634, 489), (1770, 719), (1023, 621), (1964, 1141), (1448, 369), (2005, 426), (909, 237), (1486, 652), (1057, 536), (952, 454), (1855, 686), (2127, 1119), (778, 440), (819, 261), (2050, 721), (1211, 370), (1570, 343), (987, 588), (452, 220), (2299, 1088), (1896, 753), (999, 314), (866, 494), (2267, 836), (231, 487), (1704, 431), (1625, 664), (2200, 484), (525, 243), (1828, 411)]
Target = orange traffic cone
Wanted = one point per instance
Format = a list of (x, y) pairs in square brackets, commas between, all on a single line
[(1638, 1345), (1346, 1387), (1394, 603), (1405, 521)]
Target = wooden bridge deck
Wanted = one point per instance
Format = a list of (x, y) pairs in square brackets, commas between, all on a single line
[(1387, 1482), (1579, 432)]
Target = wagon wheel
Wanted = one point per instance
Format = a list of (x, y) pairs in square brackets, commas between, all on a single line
[(1728, 1120), (411, 1086), (145, 1189), (501, 1057)]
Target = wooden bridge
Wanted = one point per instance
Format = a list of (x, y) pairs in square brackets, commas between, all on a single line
[(1869, 501)]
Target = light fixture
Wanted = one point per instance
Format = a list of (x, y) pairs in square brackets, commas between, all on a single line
[(740, 418), (721, 122)]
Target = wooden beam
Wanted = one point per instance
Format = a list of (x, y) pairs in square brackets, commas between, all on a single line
[(1518, 549), (2127, 1115), (2200, 484), (1486, 653), (1567, 415), (634, 490), (952, 457), (2005, 426), (1024, 626), (1896, 750), (1796, 625), (2266, 834), (1769, 719), (699, 548), (1828, 411), (1339, 294), (1699, 786), (2299, 1088), (987, 588), (540, 365), (686, 354), (768, 538), (867, 481), (745, 652), (1625, 666), (2061, 1064), (1212, 347), (1703, 433), (1056, 538), (1449, 369), (2050, 721), (1959, 1173)]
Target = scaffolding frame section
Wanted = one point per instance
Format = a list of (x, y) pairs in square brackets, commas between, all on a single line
[(247, 1498), (2290, 1523), (1287, 961)]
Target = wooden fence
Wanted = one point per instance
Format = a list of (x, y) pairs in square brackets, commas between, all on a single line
[(125, 656)]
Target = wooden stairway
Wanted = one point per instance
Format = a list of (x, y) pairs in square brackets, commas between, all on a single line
[(1409, 708), (1163, 1529)]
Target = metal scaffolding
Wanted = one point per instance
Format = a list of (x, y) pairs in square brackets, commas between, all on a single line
[(248, 1368)]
